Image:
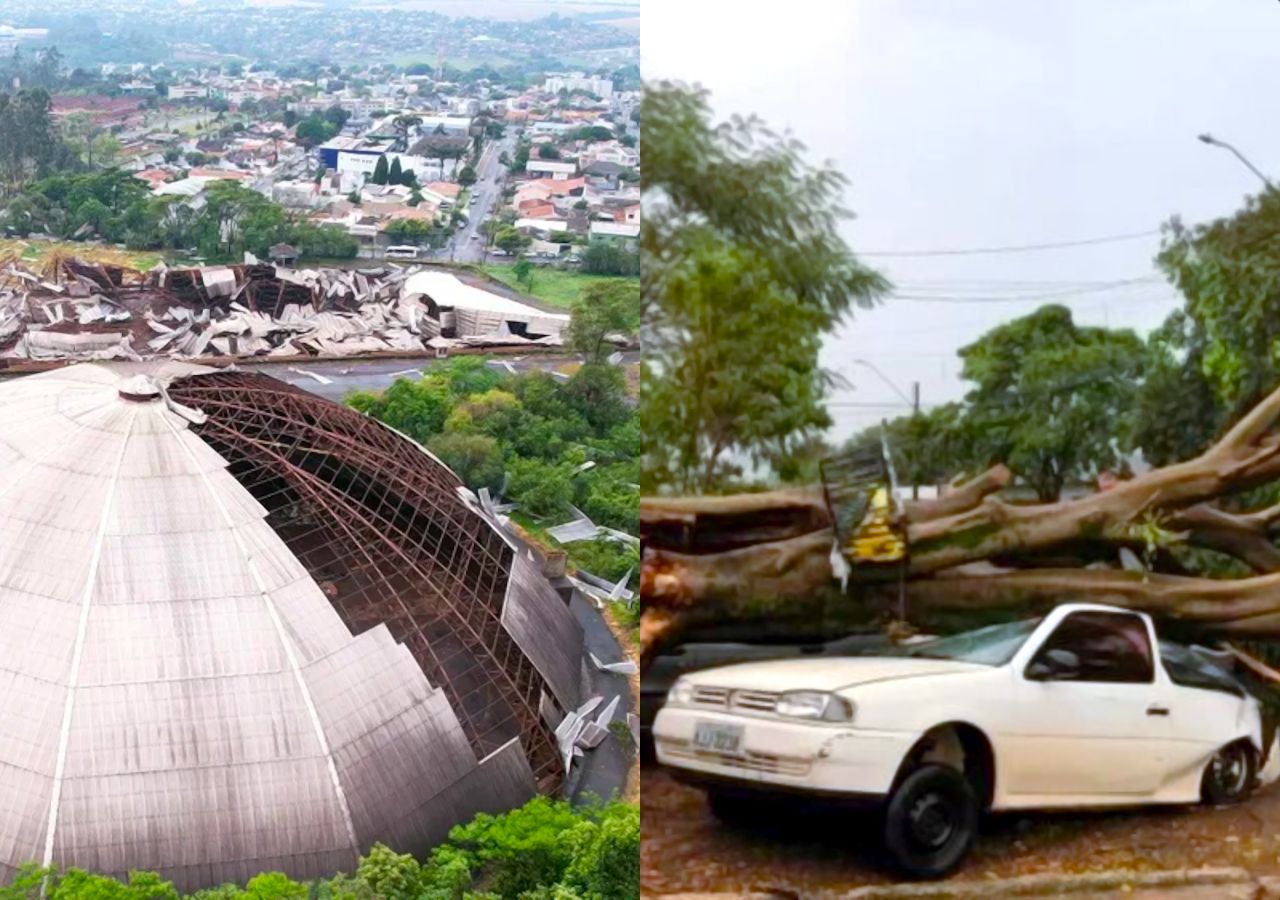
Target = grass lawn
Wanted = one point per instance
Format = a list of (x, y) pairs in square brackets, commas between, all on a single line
[(557, 287), (34, 253)]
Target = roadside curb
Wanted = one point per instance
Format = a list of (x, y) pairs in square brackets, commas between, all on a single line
[(1021, 886)]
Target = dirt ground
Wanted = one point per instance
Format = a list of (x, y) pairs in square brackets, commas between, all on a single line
[(685, 849)]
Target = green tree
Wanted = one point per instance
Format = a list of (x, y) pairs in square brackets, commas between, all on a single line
[(323, 241), (745, 270), (548, 151), (523, 270), (1177, 412), (612, 498), (511, 241), (467, 176), (395, 175), (606, 257), (418, 409), (1050, 397), (314, 130), (931, 447), (542, 489), (521, 159), (604, 863), (380, 171), (391, 875), (1228, 333), (234, 219), (475, 458), (605, 308), (29, 143), (409, 231), (524, 849), (599, 394)]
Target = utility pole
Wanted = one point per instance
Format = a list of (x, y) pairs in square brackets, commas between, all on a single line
[(915, 411)]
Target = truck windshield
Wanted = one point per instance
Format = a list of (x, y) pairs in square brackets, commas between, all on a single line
[(994, 645)]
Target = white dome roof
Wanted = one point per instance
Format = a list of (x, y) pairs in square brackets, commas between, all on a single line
[(179, 694)]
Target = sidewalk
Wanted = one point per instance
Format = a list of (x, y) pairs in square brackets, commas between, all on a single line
[(1180, 884)]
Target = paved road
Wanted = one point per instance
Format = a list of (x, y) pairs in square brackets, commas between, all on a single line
[(373, 375), (490, 178), (345, 376), (603, 771)]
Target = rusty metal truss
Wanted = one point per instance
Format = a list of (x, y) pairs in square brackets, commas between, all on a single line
[(382, 529)]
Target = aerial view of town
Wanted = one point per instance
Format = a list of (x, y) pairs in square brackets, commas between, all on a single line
[(319, 448)]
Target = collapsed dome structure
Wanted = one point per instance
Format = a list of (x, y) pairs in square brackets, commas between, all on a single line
[(243, 628)]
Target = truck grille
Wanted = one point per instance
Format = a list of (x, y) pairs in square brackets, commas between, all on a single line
[(711, 696), (756, 701), (726, 698)]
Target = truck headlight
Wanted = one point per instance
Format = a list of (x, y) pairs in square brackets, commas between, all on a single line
[(680, 694), (819, 705)]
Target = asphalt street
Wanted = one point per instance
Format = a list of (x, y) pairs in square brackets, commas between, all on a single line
[(468, 242), (337, 378)]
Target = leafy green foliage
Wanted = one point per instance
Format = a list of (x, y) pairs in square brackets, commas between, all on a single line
[(391, 875), (546, 848), (1229, 272), (511, 241), (530, 436), (118, 208), (605, 308), (314, 130), (523, 270), (1050, 399), (744, 272), (1048, 394), (1176, 413), (606, 257), (29, 142)]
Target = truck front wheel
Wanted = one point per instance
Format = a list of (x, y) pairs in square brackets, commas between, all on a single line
[(931, 822)]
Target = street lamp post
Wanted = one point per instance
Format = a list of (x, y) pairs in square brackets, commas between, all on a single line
[(913, 401), (1214, 142)]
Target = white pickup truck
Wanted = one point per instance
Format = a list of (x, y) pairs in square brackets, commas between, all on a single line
[(1081, 708)]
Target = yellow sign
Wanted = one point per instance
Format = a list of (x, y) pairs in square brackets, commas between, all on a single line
[(876, 540)]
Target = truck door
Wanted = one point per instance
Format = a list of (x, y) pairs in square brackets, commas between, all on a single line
[(1088, 721)]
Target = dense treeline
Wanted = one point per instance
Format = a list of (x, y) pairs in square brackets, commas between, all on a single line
[(116, 207), (1060, 403), (540, 442), (546, 850)]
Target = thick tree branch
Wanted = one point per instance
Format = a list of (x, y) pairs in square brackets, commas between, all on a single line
[(1247, 606), (960, 498), (715, 524), (1243, 537)]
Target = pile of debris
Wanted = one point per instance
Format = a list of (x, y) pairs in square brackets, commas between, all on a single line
[(78, 310)]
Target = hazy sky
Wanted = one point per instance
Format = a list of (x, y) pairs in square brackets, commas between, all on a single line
[(992, 123)]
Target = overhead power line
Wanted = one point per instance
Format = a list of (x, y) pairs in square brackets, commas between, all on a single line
[(1016, 248), (1026, 298)]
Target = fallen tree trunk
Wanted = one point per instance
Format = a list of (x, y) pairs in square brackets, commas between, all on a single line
[(750, 556)]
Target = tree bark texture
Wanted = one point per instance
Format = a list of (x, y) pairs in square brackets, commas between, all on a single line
[(750, 556)]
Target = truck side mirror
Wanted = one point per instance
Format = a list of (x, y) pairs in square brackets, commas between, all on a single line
[(1054, 664)]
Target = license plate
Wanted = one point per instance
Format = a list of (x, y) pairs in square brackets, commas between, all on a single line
[(717, 736)]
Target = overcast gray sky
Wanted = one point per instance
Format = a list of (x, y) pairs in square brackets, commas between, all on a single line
[(992, 123)]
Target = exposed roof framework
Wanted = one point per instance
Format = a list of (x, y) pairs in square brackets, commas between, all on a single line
[(246, 629), (390, 541)]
